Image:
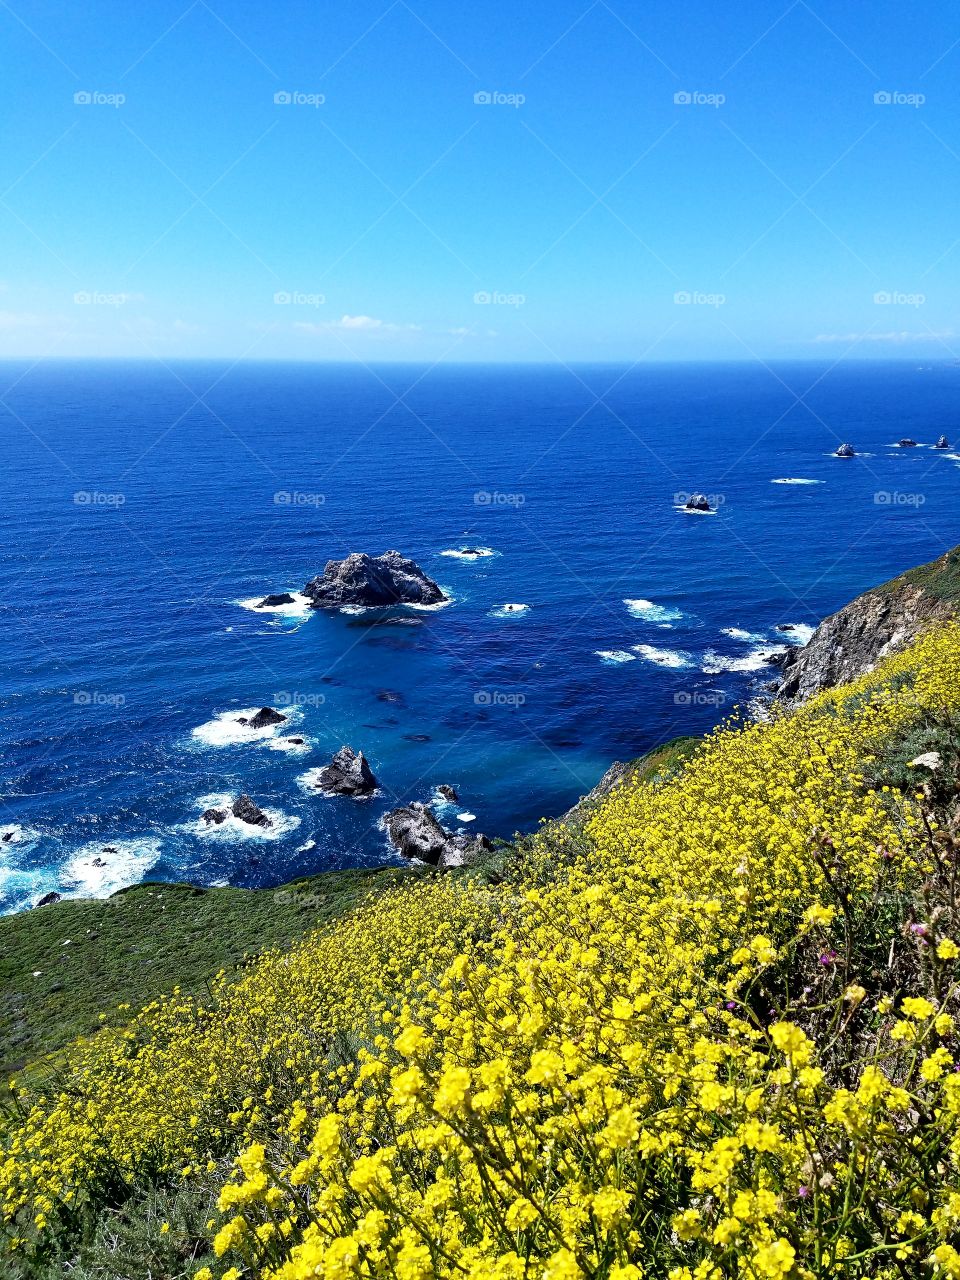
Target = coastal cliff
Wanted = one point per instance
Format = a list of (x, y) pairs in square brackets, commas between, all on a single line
[(882, 621)]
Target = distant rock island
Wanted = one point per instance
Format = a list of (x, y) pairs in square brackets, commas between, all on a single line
[(697, 502), (846, 451), (372, 582)]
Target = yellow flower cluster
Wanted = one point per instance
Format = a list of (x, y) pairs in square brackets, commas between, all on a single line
[(655, 1055)]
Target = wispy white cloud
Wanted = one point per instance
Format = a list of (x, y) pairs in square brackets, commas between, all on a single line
[(895, 337), (355, 324), (358, 322), (13, 320)]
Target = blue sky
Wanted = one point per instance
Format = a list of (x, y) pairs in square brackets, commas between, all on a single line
[(634, 181)]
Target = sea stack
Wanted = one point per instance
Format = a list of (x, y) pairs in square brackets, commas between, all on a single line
[(942, 443), (264, 718), (243, 808), (697, 502), (415, 833), (372, 582), (845, 451), (275, 600), (907, 443), (347, 774)]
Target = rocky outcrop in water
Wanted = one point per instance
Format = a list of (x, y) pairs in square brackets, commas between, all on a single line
[(278, 598), (415, 833), (372, 582), (942, 443), (243, 808), (907, 443), (846, 451), (697, 502), (347, 774), (880, 622), (265, 717)]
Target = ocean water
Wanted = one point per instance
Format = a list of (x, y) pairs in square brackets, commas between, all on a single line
[(143, 504)]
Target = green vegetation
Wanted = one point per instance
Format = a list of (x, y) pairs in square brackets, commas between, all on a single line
[(939, 579), (663, 761), (64, 965), (729, 1000)]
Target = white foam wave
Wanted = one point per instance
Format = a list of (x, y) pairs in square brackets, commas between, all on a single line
[(225, 729), (799, 635), (673, 658), (648, 611), (509, 610), (291, 748), (13, 835), (300, 608), (614, 657), (232, 828), (448, 599), (470, 553), (310, 781), (695, 511), (713, 663), (795, 480), (99, 869), (738, 633), (466, 817)]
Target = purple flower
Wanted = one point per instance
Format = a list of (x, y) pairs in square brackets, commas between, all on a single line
[(803, 1192), (828, 957)]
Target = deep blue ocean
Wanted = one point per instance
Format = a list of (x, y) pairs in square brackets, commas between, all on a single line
[(143, 503)]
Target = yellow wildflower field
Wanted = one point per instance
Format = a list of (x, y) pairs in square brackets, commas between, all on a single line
[(710, 1036)]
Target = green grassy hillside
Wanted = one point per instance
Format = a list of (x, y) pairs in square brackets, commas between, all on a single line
[(63, 966)]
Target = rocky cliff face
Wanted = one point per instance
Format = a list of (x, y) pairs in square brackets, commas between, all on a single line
[(880, 622)]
